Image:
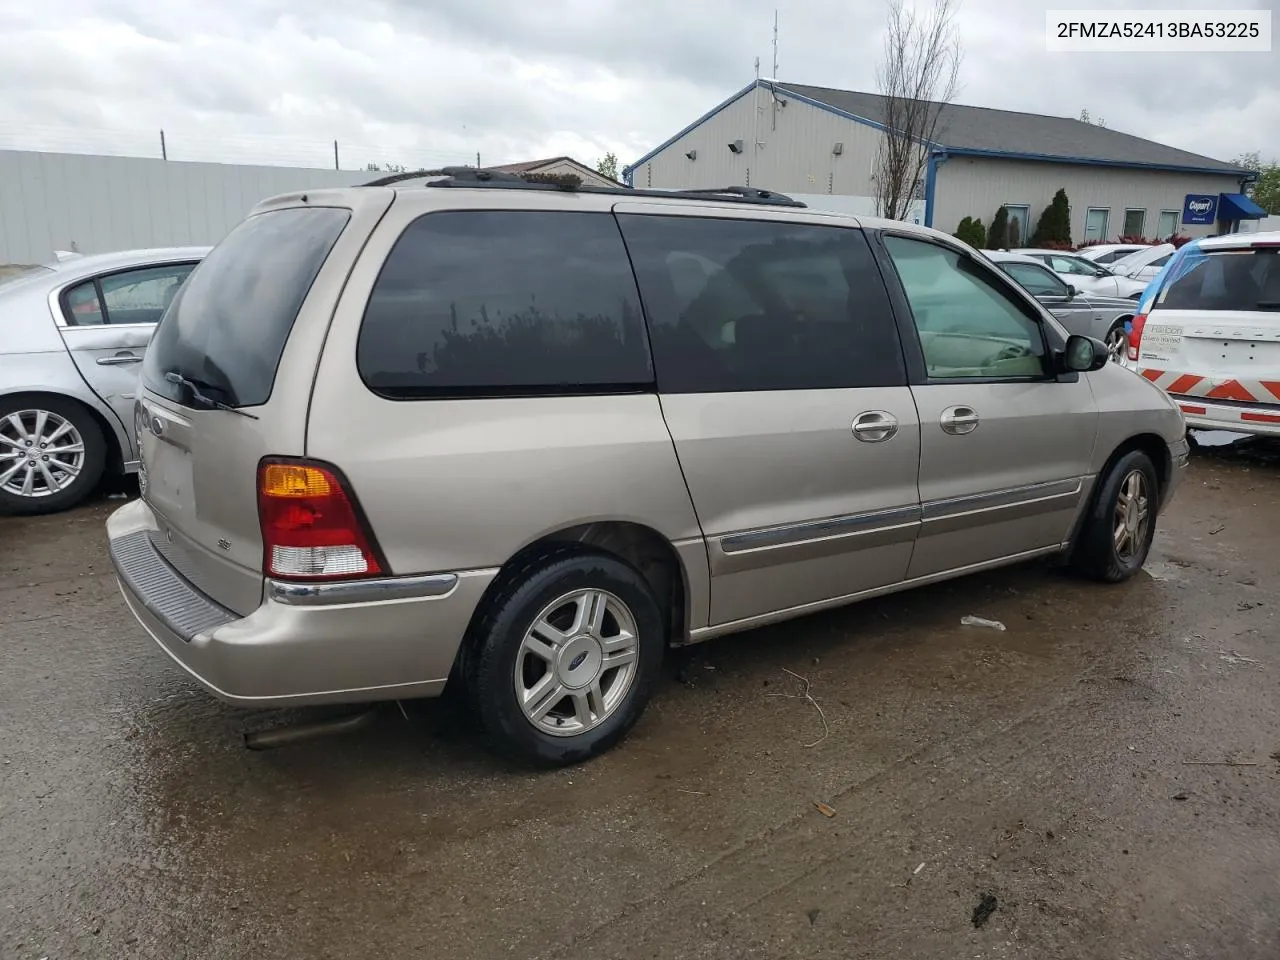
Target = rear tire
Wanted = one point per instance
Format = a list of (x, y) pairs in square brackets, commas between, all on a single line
[(36, 479), (564, 657), (1116, 537)]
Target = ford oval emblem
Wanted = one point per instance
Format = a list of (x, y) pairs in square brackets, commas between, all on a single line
[(577, 661), (157, 426)]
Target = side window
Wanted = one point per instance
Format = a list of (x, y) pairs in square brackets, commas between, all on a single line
[(81, 306), (968, 326), (505, 303), (1067, 265), (1038, 281), (142, 296), (748, 305), (131, 297)]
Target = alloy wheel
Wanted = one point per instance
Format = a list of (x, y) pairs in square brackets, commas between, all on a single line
[(1132, 515), (41, 453), (576, 662)]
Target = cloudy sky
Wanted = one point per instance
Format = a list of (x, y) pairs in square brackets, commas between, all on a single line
[(422, 82)]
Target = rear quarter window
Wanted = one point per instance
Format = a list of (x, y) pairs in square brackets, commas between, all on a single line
[(505, 303), (228, 324)]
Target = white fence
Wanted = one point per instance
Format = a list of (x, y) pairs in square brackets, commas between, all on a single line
[(95, 204)]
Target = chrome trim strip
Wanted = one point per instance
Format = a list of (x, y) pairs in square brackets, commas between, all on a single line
[(1013, 496), (816, 529), (811, 540), (427, 587), (777, 616)]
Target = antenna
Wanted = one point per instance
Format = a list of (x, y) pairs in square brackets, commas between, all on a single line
[(757, 68), (773, 93), (774, 75)]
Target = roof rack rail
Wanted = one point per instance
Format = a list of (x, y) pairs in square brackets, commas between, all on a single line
[(504, 180), (747, 193)]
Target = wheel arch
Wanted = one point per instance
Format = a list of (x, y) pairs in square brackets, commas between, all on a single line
[(110, 435)]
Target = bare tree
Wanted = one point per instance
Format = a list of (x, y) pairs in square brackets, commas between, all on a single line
[(917, 79)]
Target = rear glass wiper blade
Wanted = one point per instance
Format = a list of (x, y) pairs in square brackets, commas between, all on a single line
[(202, 400)]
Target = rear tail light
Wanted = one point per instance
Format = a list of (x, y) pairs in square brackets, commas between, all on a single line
[(312, 528), (1135, 335)]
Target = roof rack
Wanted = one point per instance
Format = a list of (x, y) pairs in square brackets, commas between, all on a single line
[(472, 177)]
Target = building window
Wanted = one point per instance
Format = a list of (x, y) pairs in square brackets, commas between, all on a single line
[(1168, 223), (1135, 222), (1095, 223), (1019, 232)]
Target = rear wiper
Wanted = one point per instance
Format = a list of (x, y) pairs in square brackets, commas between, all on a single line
[(199, 399)]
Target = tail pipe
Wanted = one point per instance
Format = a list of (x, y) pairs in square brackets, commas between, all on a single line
[(299, 732)]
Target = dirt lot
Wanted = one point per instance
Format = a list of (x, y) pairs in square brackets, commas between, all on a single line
[(1104, 775)]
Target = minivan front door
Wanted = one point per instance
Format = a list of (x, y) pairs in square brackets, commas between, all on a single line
[(784, 388), (1005, 447)]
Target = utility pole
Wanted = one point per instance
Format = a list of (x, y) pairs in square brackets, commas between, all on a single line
[(335, 155), (164, 152), (477, 159)]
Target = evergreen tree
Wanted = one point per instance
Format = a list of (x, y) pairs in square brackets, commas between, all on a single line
[(998, 232), (1054, 225)]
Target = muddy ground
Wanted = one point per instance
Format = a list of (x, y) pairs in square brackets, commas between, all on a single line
[(1102, 778)]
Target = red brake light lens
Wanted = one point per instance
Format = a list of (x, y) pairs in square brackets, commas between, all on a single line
[(311, 529), (1135, 334)]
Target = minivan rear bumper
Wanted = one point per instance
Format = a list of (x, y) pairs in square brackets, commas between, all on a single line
[(301, 646), (1202, 414)]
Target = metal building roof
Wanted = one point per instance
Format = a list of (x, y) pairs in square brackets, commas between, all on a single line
[(983, 131)]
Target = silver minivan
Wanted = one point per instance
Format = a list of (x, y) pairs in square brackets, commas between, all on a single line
[(521, 437)]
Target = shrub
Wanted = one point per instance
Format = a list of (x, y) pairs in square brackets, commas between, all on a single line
[(971, 232), (998, 232), (1054, 224)]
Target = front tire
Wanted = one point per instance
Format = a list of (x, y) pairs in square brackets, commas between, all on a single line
[(1117, 340), (1116, 537), (52, 454), (565, 657)]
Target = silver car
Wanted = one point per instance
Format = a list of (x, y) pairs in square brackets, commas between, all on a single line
[(522, 438), (1088, 314), (71, 338)]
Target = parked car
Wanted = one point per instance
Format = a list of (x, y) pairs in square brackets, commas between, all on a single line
[(522, 439), (1090, 315), (1104, 253), (1144, 264), (71, 337), (1209, 333), (1086, 276)]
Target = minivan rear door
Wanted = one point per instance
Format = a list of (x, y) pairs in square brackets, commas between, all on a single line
[(227, 381), (783, 385)]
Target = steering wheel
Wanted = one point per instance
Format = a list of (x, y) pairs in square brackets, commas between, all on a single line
[(1011, 352)]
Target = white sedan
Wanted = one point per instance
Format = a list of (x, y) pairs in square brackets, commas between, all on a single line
[(1086, 276), (1143, 264)]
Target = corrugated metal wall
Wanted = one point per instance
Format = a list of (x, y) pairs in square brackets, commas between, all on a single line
[(977, 187), (94, 204), (796, 157)]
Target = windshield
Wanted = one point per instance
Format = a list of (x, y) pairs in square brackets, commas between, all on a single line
[(227, 328), (1247, 280)]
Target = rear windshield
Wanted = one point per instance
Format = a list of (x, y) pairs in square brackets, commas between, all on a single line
[(1225, 280), (227, 327)]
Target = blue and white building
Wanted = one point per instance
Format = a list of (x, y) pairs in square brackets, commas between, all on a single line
[(820, 145)]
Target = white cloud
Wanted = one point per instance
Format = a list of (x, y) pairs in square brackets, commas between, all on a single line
[(432, 81)]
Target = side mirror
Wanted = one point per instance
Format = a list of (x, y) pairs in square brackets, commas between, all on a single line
[(1084, 354), (1102, 272), (1072, 291)]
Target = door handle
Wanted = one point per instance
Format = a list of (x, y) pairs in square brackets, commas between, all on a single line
[(874, 426), (119, 360), (959, 420)]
